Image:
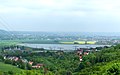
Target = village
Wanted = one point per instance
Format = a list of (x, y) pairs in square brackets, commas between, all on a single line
[(23, 63)]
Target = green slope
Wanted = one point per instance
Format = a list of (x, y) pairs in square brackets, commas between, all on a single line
[(109, 68), (105, 62), (7, 67)]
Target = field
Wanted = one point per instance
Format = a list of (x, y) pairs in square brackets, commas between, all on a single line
[(7, 43), (7, 67), (91, 42), (66, 42), (79, 42), (40, 41)]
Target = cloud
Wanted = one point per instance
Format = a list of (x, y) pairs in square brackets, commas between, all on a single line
[(60, 7), (61, 12)]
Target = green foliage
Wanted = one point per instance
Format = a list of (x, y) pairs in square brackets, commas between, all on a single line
[(28, 66), (105, 62), (8, 61), (114, 69)]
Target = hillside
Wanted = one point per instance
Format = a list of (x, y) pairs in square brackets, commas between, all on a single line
[(3, 32), (5, 35), (102, 62), (109, 68), (7, 67), (105, 62)]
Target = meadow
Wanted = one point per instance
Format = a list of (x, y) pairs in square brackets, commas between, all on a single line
[(7, 67)]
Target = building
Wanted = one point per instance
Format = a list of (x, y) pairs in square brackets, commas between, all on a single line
[(38, 66)]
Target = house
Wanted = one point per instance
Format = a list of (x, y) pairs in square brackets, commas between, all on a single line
[(79, 51), (38, 66), (80, 57), (86, 53), (4, 57), (14, 58), (80, 60), (30, 62)]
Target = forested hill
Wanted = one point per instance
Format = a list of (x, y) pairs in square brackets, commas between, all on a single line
[(105, 62), (3, 32), (5, 35)]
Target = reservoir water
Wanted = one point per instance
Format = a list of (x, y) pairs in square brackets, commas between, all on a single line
[(61, 46)]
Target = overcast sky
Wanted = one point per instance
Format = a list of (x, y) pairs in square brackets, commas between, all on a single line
[(60, 15)]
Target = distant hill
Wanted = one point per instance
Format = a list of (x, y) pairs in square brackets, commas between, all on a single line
[(3, 32), (5, 35)]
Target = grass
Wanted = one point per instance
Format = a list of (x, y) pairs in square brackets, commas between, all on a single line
[(7, 43), (7, 67)]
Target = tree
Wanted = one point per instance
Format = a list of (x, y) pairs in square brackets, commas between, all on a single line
[(114, 70), (28, 66), (68, 73), (8, 61)]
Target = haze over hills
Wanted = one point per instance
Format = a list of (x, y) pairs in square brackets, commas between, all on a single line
[(60, 34), (4, 33), (69, 33)]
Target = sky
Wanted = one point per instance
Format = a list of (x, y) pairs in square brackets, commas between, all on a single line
[(60, 15)]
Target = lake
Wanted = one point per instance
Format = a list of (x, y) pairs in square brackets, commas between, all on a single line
[(61, 46)]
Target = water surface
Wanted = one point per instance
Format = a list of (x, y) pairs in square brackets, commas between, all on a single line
[(61, 46)]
